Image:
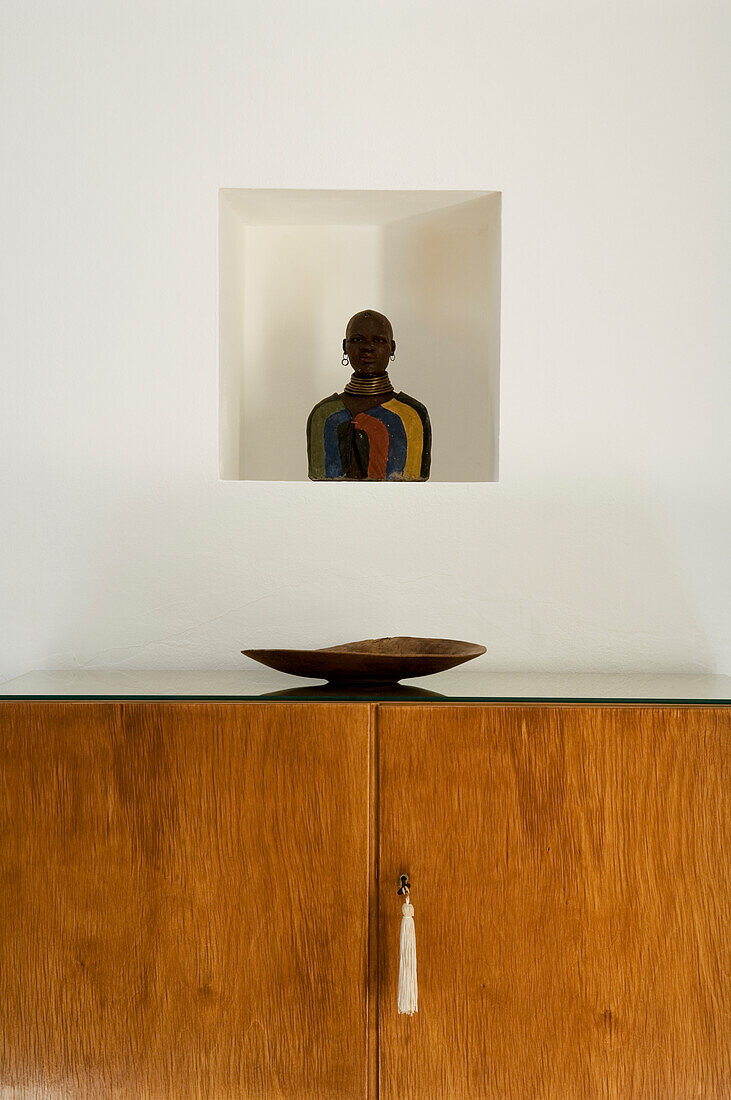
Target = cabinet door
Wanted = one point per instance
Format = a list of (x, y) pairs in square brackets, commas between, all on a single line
[(184, 910), (569, 873)]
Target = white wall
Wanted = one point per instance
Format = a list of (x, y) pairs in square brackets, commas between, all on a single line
[(606, 543)]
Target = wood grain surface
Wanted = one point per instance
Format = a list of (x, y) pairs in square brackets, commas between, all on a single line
[(185, 896), (569, 871)]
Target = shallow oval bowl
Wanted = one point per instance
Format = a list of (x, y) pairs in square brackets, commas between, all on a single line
[(373, 660)]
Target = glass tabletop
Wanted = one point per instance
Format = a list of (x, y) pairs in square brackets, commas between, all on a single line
[(448, 687)]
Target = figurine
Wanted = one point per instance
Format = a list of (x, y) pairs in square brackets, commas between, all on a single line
[(369, 432)]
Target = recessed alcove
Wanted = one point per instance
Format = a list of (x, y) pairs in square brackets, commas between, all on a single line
[(295, 265)]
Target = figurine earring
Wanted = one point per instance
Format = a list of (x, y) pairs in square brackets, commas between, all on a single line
[(345, 360), (392, 358)]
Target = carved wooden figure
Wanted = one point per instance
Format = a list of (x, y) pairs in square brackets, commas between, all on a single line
[(369, 432)]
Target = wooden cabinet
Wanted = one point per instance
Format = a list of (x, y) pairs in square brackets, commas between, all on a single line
[(570, 877), (185, 901), (199, 900)]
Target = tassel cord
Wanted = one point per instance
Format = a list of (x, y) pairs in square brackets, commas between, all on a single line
[(408, 994)]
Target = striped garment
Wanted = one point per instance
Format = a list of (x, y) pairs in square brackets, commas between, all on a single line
[(390, 442)]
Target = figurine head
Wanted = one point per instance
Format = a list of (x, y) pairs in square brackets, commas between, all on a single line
[(369, 343)]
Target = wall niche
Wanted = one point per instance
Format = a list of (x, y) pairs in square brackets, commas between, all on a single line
[(295, 265)]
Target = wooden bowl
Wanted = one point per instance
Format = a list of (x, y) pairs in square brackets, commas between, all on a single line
[(375, 660)]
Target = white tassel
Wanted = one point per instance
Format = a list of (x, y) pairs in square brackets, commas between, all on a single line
[(408, 992)]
